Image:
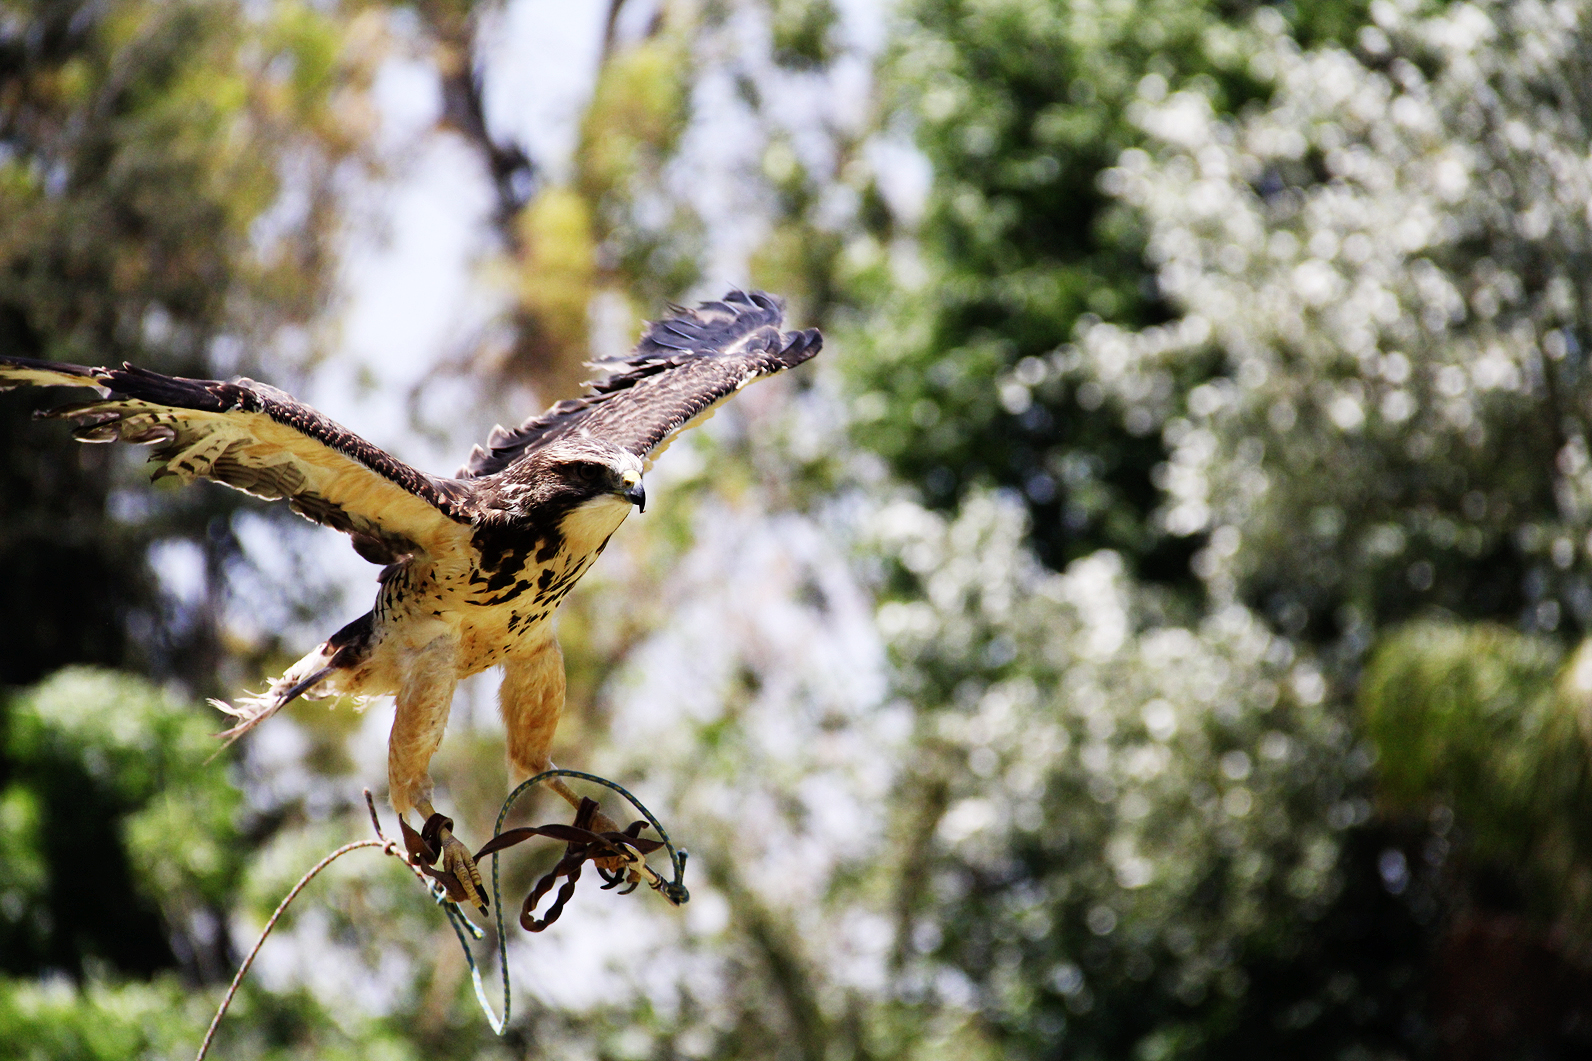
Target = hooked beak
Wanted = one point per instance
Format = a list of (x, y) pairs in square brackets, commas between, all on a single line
[(636, 494)]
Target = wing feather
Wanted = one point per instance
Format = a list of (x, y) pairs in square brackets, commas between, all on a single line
[(260, 440), (683, 368)]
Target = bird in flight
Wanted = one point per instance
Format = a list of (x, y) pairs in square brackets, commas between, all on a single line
[(474, 565)]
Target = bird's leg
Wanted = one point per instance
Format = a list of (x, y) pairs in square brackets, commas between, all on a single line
[(422, 715), (600, 822), (532, 699)]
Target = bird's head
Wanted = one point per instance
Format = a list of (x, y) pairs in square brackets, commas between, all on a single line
[(587, 471)]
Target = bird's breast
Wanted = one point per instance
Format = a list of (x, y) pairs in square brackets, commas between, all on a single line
[(531, 567), (500, 601), (515, 616)]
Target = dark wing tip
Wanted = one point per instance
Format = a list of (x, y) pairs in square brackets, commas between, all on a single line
[(742, 325), (25, 371), (708, 328), (800, 346), (760, 301)]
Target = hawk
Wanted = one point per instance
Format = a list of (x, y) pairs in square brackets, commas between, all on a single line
[(474, 565)]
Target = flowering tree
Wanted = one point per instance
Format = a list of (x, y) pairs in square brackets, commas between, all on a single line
[(1389, 264), (1374, 405)]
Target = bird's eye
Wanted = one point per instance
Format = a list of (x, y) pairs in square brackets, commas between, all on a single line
[(590, 473)]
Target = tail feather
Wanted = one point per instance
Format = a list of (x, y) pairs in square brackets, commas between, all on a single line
[(254, 708), (250, 711)]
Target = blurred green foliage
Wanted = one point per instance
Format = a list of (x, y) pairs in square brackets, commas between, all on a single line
[(801, 32), (1020, 106), (1491, 726), (142, 152), (1280, 412), (1141, 848), (1367, 397), (128, 855), (121, 839), (1441, 701)]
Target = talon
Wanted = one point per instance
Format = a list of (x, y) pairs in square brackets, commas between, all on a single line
[(594, 819), (450, 884), (460, 867)]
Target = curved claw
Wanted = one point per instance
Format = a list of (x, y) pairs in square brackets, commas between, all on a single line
[(450, 883), (460, 867), (458, 875)]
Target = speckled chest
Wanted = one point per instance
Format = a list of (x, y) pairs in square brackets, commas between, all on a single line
[(498, 599), (499, 619)]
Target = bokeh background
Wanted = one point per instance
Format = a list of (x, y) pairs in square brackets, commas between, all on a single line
[(1152, 629)]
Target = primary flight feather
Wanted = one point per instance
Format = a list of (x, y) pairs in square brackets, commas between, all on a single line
[(475, 564)]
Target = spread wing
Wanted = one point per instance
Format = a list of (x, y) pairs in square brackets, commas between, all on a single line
[(259, 440), (681, 371)]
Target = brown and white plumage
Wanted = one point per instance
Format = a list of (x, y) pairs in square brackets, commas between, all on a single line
[(475, 564), (666, 385)]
